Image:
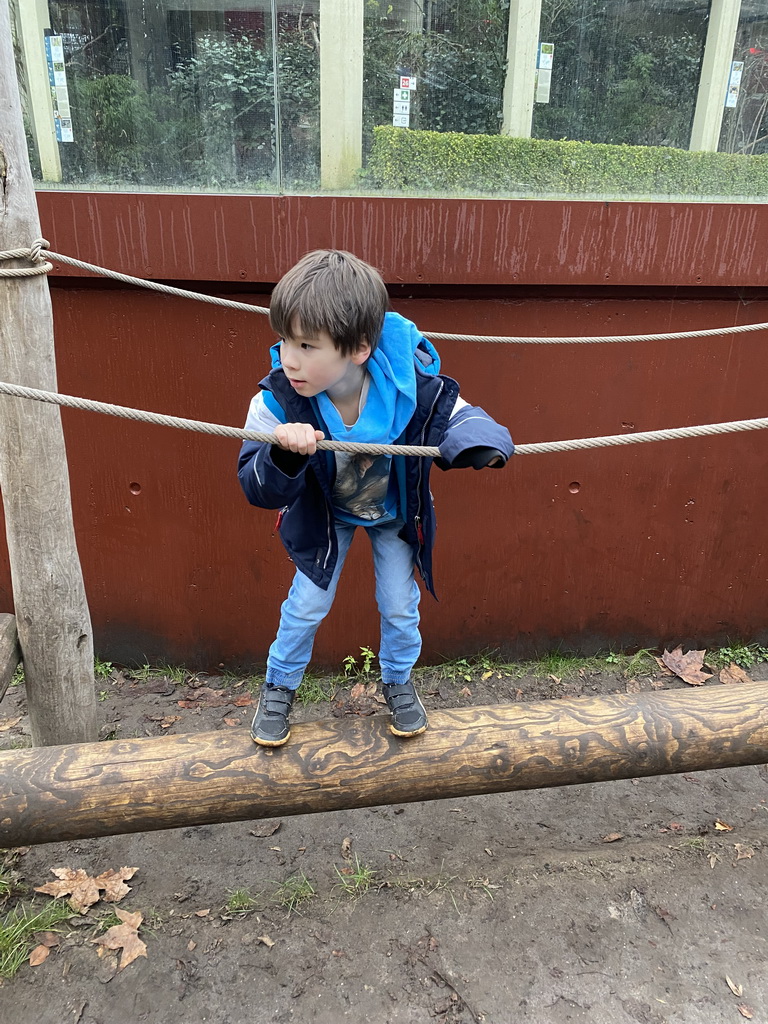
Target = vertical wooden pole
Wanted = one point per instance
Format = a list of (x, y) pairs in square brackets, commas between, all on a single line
[(51, 610), (341, 92)]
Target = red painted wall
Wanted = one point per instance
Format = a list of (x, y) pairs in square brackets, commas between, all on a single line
[(632, 545)]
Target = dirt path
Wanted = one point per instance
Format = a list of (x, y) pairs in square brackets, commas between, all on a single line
[(502, 908)]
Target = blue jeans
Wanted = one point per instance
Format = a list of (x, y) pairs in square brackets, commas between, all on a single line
[(397, 595)]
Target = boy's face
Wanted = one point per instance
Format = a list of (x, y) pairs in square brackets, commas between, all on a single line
[(312, 363)]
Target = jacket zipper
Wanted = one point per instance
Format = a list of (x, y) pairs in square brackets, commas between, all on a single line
[(280, 515), (417, 518)]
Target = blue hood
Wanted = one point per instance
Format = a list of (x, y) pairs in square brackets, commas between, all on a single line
[(391, 400)]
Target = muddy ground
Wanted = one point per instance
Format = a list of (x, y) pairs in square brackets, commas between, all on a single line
[(613, 903)]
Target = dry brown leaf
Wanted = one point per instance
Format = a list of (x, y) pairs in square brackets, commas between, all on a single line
[(38, 955), (8, 723), (244, 702), (266, 940), (737, 990), (746, 1011), (633, 686), (555, 679), (465, 691), (124, 936), (81, 888), (48, 938), (191, 945), (346, 848), (733, 674), (723, 826), (658, 684), (665, 671), (743, 852), (713, 859), (689, 667), (169, 720), (202, 913), (265, 829), (613, 837), (231, 722), (113, 883)]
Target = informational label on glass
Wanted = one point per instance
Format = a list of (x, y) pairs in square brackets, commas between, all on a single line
[(544, 72), (57, 78), (543, 85), (734, 83)]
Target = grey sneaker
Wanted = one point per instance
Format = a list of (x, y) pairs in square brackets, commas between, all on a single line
[(408, 715), (270, 726)]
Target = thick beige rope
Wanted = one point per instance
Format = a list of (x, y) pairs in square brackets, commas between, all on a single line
[(33, 254), (538, 448)]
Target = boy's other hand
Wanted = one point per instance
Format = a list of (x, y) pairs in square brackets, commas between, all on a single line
[(300, 438)]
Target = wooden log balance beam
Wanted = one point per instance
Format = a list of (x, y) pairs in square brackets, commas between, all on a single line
[(84, 790)]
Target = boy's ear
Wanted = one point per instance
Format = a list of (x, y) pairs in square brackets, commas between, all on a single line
[(361, 353)]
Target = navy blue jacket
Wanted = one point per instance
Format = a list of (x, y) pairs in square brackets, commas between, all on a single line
[(302, 485)]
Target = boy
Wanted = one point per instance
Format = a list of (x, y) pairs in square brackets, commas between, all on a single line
[(347, 368)]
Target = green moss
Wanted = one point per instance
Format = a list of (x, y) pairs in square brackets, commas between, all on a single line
[(418, 161)]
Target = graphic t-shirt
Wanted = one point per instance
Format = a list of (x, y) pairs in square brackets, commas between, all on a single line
[(364, 492)]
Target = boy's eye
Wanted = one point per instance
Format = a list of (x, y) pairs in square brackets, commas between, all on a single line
[(305, 345)]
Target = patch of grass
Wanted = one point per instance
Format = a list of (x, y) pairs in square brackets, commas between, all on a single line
[(18, 676), (11, 883), (146, 671), (357, 879), (428, 886), (240, 902), (693, 844), (107, 919), (173, 672), (562, 665), (294, 892), (20, 743), (477, 664), (102, 669), (743, 655), (103, 695), (18, 929), (314, 690)]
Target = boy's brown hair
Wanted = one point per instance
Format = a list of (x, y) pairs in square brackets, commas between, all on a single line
[(334, 291)]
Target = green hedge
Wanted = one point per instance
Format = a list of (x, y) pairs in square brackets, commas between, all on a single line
[(416, 161)]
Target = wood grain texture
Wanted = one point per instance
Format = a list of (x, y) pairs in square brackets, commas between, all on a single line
[(49, 597), (97, 789), (10, 655)]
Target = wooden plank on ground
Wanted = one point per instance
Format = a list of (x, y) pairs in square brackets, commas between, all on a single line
[(138, 785), (10, 653)]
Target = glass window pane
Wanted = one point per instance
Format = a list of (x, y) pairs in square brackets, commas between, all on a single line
[(622, 72), (745, 119), (456, 52), (172, 94)]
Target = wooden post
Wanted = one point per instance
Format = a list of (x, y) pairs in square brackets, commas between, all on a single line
[(10, 654), (137, 785), (51, 610)]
